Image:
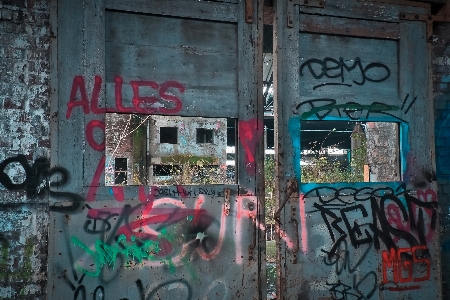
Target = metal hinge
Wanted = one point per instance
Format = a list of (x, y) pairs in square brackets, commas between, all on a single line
[(292, 3), (291, 192), (426, 18)]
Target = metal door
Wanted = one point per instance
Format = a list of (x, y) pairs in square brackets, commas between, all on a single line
[(189, 59), (355, 61)]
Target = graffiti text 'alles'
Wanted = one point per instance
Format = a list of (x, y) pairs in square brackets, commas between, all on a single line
[(166, 103)]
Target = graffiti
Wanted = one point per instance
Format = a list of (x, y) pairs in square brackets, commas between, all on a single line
[(352, 110), (106, 254), (344, 195), (95, 183), (322, 107), (388, 211), (340, 290), (342, 260), (330, 83), (405, 260), (366, 218), (410, 105), (153, 192), (332, 68), (180, 225), (90, 134), (250, 134), (99, 293), (179, 286), (80, 291), (38, 181), (160, 234), (141, 104), (394, 215), (153, 234)]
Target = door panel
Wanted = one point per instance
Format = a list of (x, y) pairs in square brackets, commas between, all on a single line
[(355, 240), (139, 59), (172, 49)]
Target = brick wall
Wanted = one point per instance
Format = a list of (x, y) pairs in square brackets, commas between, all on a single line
[(441, 87), (25, 130)]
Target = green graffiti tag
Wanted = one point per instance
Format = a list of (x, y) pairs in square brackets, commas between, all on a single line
[(106, 254)]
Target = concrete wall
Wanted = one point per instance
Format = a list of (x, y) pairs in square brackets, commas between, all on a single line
[(383, 148), (187, 144), (25, 40)]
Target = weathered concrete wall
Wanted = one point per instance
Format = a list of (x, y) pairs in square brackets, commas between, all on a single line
[(441, 87), (383, 149), (186, 144), (25, 40)]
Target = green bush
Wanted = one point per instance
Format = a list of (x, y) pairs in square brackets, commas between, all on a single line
[(326, 169)]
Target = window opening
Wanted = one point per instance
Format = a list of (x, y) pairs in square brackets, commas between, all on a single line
[(120, 171), (205, 136), (168, 135), (338, 151)]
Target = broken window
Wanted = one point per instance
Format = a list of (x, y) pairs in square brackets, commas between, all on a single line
[(120, 171), (338, 151), (168, 135), (169, 150), (205, 136)]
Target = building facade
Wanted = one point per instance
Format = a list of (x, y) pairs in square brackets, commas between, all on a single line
[(91, 92)]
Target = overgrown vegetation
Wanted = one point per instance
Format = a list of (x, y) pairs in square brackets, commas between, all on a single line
[(323, 168), (269, 181), (185, 169), (271, 250)]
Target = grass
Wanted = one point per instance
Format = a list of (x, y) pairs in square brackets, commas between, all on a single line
[(270, 251)]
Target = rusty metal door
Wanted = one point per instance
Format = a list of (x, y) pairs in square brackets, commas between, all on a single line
[(146, 59), (376, 239)]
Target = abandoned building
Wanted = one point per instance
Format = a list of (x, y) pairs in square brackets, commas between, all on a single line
[(155, 147), (224, 149)]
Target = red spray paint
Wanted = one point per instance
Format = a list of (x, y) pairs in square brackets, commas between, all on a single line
[(250, 133)]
